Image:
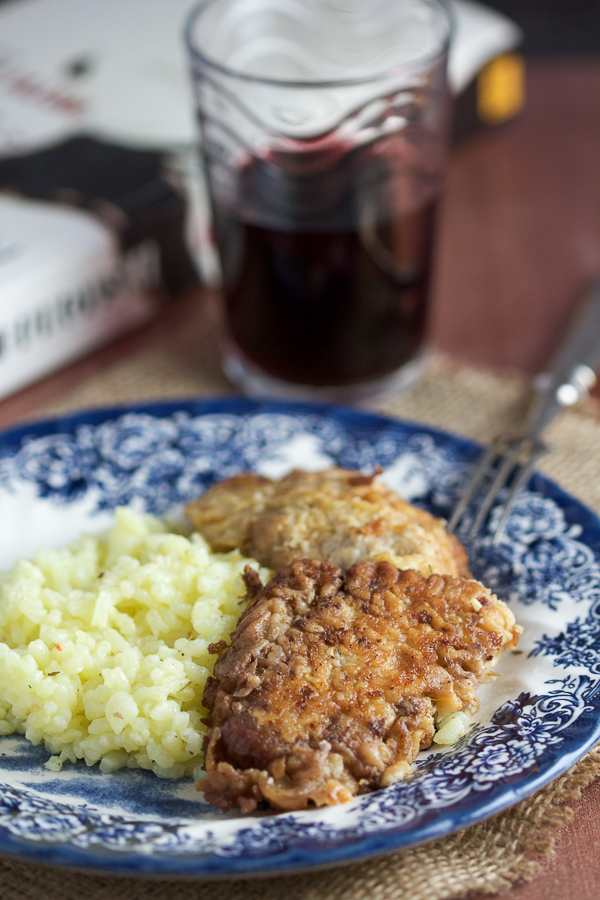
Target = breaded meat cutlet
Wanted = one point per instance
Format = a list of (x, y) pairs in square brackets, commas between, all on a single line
[(336, 516), (333, 679)]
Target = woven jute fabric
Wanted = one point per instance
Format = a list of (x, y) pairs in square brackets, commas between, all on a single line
[(487, 857)]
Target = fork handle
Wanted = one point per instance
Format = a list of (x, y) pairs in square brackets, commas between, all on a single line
[(572, 370)]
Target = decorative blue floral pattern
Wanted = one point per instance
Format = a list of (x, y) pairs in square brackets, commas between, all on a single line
[(161, 457), (543, 564), (164, 461), (578, 645)]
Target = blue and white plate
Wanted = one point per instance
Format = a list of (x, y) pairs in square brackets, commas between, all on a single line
[(60, 477)]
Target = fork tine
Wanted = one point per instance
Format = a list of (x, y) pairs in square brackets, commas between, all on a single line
[(500, 479), (520, 479), (485, 463)]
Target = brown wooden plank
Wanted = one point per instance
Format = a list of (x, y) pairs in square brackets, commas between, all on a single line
[(520, 234), (574, 871)]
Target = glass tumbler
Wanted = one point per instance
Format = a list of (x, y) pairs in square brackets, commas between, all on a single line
[(323, 129)]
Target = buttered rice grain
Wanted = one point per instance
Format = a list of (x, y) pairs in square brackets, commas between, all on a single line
[(104, 645)]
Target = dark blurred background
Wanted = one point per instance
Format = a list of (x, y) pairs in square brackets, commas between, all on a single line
[(554, 27)]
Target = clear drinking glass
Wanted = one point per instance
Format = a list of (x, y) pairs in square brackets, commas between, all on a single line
[(324, 133)]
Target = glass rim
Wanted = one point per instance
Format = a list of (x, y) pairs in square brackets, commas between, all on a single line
[(426, 61)]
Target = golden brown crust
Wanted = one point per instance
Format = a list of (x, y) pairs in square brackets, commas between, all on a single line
[(225, 512), (338, 515), (333, 678)]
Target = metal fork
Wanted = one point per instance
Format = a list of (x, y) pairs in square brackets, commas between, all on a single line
[(510, 459)]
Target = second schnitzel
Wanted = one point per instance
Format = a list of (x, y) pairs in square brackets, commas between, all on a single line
[(337, 516)]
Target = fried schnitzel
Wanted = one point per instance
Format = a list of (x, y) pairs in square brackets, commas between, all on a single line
[(334, 677), (337, 516)]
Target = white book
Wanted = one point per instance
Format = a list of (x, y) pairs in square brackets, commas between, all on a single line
[(66, 287)]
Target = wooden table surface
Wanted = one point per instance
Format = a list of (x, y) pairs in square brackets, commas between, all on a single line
[(519, 238)]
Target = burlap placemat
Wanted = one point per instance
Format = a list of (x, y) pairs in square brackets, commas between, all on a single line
[(487, 857)]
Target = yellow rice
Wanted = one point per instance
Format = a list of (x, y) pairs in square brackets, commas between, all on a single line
[(104, 645)]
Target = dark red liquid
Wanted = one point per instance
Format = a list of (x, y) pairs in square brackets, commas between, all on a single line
[(327, 307)]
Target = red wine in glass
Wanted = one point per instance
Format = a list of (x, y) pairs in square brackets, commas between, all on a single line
[(336, 298)]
